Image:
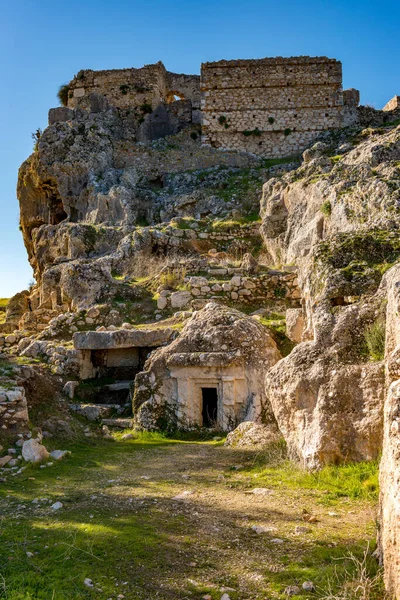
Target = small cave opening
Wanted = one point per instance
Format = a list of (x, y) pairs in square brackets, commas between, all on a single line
[(57, 213), (339, 301), (55, 204), (157, 183)]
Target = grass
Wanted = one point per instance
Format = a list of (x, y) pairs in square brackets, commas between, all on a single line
[(356, 481), (374, 337), (62, 94), (3, 306), (120, 527), (326, 208), (276, 324)]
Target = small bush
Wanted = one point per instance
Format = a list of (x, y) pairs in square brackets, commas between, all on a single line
[(193, 135), (374, 337), (287, 131), (81, 74), (36, 135), (62, 94), (124, 88), (256, 132), (271, 120), (174, 278), (222, 120), (146, 109), (326, 208)]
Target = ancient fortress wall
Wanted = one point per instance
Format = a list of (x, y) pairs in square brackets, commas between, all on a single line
[(126, 88), (273, 106)]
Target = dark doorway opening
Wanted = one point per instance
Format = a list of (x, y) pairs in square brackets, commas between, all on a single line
[(210, 407)]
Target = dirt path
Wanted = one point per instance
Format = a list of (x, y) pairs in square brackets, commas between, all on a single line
[(143, 521)]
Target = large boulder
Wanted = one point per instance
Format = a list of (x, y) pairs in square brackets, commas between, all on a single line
[(253, 436), (327, 412)]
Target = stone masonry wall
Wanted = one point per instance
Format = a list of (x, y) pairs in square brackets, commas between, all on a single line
[(231, 285), (271, 107), (13, 409), (127, 88)]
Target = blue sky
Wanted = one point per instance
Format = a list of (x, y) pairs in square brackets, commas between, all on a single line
[(43, 44)]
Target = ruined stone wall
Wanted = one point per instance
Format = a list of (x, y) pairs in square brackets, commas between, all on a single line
[(127, 88), (271, 107)]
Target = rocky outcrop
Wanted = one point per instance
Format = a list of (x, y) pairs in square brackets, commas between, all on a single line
[(334, 217), (219, 348), (389, 517)]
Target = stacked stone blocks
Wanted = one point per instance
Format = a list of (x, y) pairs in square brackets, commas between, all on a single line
[(271, 107)]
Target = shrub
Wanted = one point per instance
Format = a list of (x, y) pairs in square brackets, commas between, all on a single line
[(146, 109), (62, 94), (255, 132), (374, 337), (287, 131), (271, 120), (193, 135), (124, 88), (222, 120), (36, 135), (326, 208), (81, 74), (173, 278)]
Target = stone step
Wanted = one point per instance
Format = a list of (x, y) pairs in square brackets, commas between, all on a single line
[(94, 412), (120, 423), (118, 385)]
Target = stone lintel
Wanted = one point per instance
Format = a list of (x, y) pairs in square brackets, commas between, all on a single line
[(122, 338)]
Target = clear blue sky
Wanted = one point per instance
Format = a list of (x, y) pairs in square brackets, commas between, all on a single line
[(43, 44)]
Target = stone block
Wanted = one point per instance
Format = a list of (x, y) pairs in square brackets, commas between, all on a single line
[(180, 299), (79, 92), (162, 302), (294, 324), (60, 114)]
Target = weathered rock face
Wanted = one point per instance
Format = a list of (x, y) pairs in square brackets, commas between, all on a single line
[(327, 412), (389, 518), (91, 181), (221, 349), (335, 218)]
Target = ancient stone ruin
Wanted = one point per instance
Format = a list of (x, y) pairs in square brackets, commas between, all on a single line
[(270, 107), (216, 252), (273, 106), (210, 376)]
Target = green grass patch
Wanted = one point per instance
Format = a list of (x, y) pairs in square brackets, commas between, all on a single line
[(356, 481), (277, 327), (120, 527), (374, 337)]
